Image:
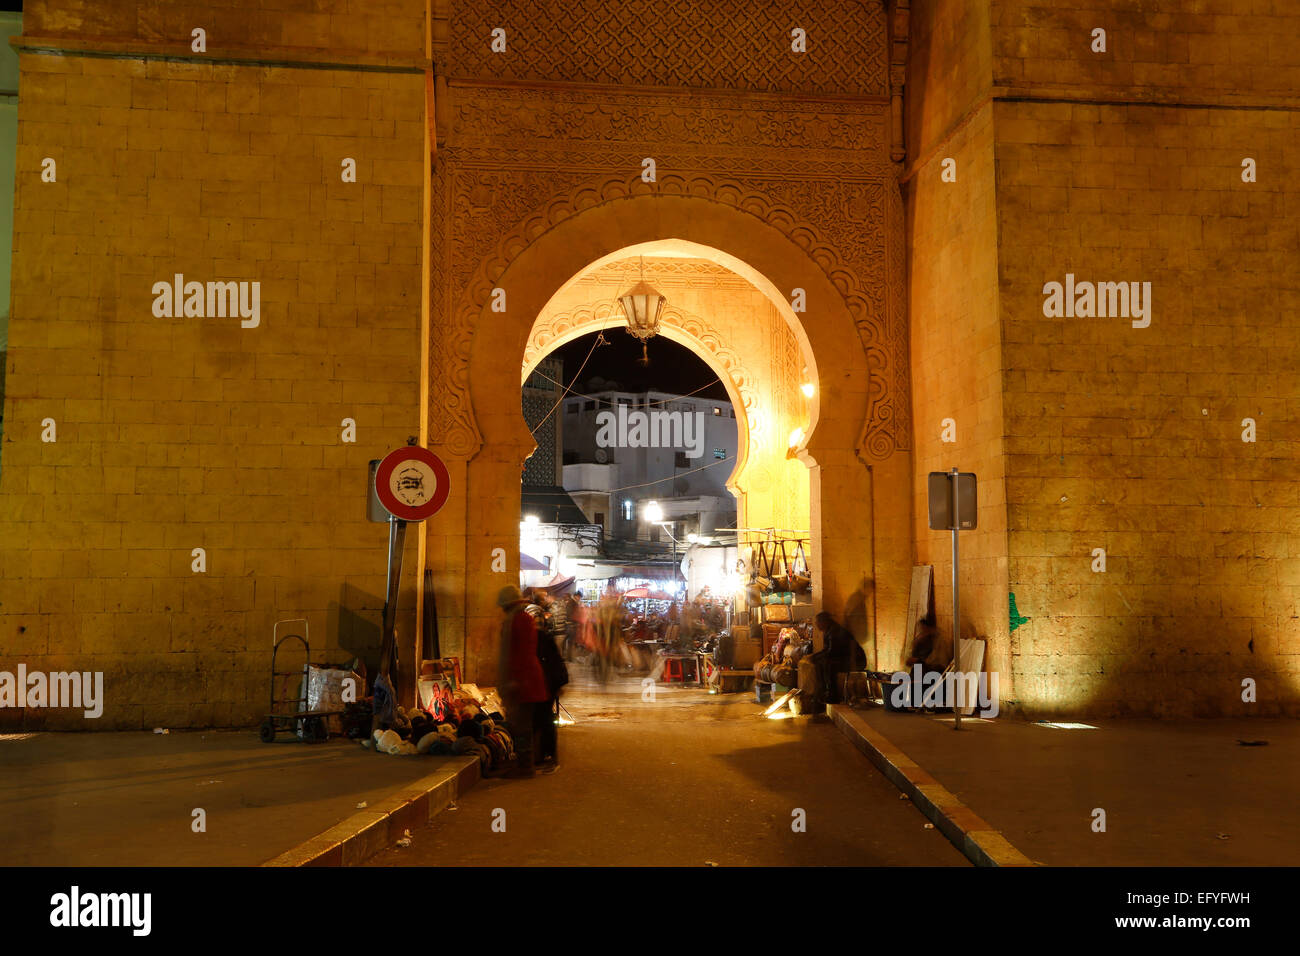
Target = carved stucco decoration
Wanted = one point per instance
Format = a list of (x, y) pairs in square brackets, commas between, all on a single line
[(857, 209), (715, 44), (484, 116), (899, 27), (667, 271), (519, 161)]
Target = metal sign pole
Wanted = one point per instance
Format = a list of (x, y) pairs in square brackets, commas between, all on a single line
[(396, 540), (956, 605), (388, 639), (411, 484)]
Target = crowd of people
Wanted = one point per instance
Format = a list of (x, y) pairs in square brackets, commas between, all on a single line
[(542, 633)]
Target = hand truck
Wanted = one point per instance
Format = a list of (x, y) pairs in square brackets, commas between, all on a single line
[(303, 724)]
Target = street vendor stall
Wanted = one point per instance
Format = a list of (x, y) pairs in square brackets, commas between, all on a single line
[(747, 592)]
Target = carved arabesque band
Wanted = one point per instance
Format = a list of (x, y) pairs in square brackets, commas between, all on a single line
[(458, 432)]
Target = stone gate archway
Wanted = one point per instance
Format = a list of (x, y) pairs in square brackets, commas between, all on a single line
[(859, 469)]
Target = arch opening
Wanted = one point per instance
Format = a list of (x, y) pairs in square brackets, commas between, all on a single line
[(551, 257), (741, 335)]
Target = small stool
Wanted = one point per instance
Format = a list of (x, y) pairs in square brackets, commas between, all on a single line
[(676, 669)]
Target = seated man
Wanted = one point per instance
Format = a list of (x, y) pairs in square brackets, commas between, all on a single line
[(923, 646), (840, 654)]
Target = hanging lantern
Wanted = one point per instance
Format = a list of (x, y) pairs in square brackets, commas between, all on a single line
[(643, 305)]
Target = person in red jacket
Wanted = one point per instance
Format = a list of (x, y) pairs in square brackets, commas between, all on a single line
[(520, 679)]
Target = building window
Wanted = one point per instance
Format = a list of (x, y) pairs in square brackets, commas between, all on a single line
[(600, 518), (625, 401), (720, 454), (629, 510), (717, 409), (588, 406), (681, 461), (571, 408), (654, 534)]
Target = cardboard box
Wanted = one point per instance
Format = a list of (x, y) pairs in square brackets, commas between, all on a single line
[(781, 613), (747, 650)]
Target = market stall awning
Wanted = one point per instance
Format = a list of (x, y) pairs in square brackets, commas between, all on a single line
[(654, 595), (596, 571), (528, 563), (559, 583)]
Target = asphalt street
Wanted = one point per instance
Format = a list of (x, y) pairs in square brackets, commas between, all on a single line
[(685, 779)]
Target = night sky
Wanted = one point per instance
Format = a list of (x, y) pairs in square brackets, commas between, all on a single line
[(673, 368)]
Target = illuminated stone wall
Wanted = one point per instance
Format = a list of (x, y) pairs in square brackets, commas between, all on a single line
[(956, 337), (195, 432), (1122, 164), (1127, 165)]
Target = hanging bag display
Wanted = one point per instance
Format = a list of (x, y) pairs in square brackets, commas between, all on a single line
[(800, 577)]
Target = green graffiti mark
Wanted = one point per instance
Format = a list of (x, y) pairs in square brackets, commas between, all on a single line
[(1016, 619)]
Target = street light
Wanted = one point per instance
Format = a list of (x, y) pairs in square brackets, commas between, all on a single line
[(655, 515)]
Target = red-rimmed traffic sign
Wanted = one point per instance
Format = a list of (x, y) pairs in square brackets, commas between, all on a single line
[(412, 483)]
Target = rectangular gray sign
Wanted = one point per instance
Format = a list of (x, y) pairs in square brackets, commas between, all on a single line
[(941, 501), (375, 511)]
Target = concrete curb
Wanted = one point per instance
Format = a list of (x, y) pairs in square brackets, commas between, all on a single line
[(966, 830), (370, 830)]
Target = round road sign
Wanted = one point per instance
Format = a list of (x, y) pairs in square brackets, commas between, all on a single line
[(412, 483)]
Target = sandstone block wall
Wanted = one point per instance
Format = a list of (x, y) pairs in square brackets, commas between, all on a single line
[(1127, 166), (956, 337), (188, 432), (1122, 165)]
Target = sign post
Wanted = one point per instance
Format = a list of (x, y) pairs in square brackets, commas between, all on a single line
[(412, 484), (956, 605), (953, 507)]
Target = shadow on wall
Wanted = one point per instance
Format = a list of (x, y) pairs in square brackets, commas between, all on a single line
[(356, 624), (356, 628), (1158, 659), (857, 618)]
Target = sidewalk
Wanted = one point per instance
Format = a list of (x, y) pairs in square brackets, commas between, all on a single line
[(1175, 793), (127, 799)]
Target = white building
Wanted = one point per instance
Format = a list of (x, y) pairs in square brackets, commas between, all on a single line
[(624, 449)]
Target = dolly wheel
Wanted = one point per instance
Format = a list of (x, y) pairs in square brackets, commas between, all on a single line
[(268, 730)]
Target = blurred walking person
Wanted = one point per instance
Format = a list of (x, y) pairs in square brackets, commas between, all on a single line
[(574, 619), (546, 714), (608, 621), (520, 679)]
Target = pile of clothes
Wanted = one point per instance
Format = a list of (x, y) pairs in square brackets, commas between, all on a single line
[(780, 665), (468, 731)]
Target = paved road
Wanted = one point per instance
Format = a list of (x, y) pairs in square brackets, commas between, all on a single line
[(688, 779), (1175, 792), (127, 799)]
